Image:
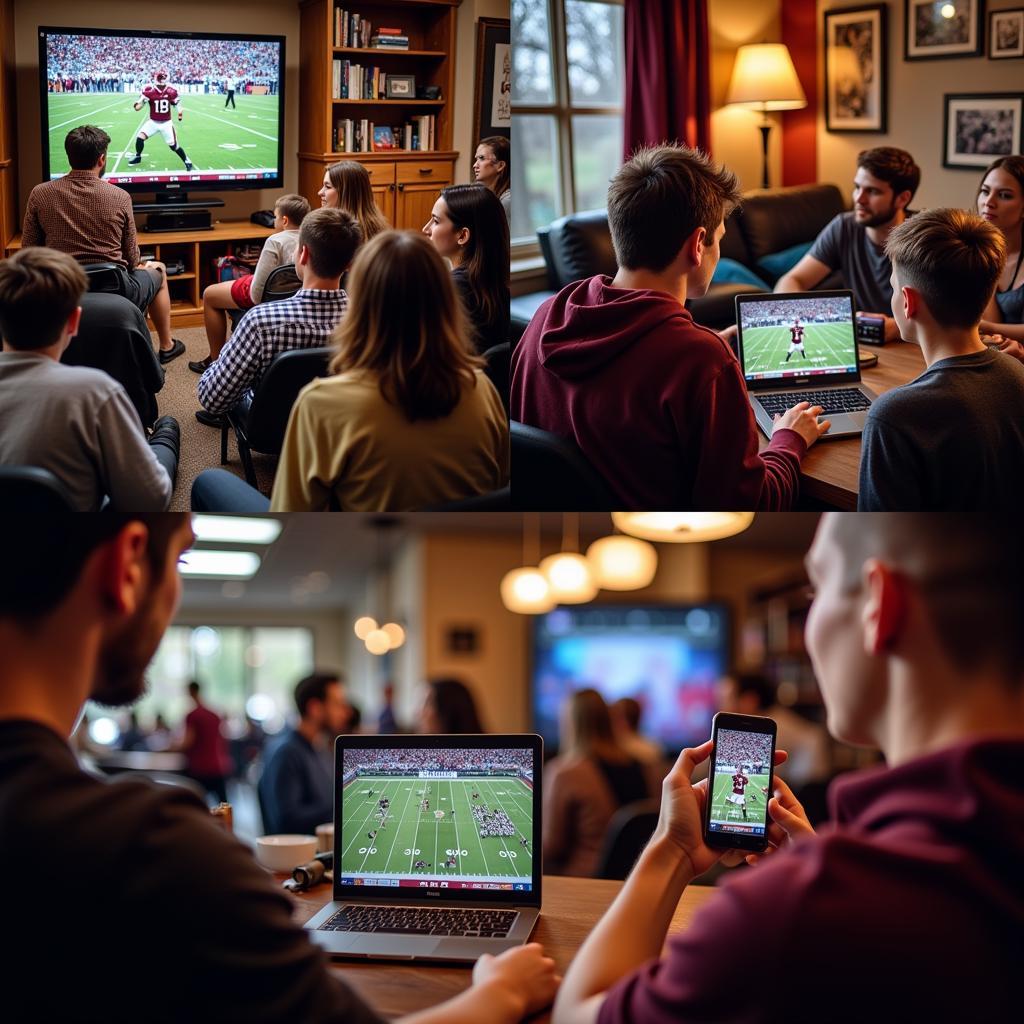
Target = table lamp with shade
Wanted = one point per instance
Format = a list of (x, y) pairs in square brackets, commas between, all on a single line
[(763, 77)]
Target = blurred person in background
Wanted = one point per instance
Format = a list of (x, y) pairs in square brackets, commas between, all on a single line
[(592, 777), (626, 713), (448, 707), (205, 748), (387, 723), (806, 742), (160, 737), (296, 790), (134, 736)]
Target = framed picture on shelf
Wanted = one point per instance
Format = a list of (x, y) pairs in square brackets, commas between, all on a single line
[(936, 30), (401, 87), (1006, 34), (492, 99), (383, 138), (855, 69), (978, 127)]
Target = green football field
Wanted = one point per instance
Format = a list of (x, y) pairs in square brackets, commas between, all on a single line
[(412, 834), (825, 345), (214, 139), (722, 810)]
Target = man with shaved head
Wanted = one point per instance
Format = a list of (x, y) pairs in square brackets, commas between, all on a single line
[(913, 894)]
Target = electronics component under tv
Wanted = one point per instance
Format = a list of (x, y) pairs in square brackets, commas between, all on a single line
[(228, 87), (666, 657)]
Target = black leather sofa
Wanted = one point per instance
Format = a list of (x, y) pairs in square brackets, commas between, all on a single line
[(769, 221)]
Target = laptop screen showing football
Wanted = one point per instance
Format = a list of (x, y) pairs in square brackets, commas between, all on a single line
[(459, 818), (789, 336)]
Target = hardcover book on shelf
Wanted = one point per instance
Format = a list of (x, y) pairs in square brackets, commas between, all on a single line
[(383, 138)]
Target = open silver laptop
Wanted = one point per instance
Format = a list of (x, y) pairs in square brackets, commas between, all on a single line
[(802, 347), (437, 846)]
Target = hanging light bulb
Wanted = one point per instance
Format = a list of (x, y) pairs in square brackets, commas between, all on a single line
[(377, 642), (526, 592), (682, 527), (395, 634), (570, 578), (622, 563), (364, 626)]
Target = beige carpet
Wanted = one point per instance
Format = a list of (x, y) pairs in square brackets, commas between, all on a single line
[(200, 445)]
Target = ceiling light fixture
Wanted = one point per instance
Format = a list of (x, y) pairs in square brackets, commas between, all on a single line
[(622, 563), (526, 590), (682, 527), (379, 639), (568, 573), (199, 563), (236, 529)]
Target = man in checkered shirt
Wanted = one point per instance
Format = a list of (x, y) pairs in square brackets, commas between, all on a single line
[(328, 240)]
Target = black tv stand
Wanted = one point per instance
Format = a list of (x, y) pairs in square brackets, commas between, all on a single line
[(174, 211)]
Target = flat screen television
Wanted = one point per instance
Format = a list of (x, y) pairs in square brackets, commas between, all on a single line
[(666, 657), (229, 89)]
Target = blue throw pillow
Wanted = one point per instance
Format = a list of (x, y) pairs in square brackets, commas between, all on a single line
[(778, 263), (732, 272)]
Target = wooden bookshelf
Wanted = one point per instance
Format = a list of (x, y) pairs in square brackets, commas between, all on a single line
[(405, 182)]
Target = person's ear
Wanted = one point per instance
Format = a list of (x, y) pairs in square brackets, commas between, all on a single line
[(885, 607), (695, 246), (463, 236), (122, 569), (73, 322), (911, 301), (303, 257), (902, 200)]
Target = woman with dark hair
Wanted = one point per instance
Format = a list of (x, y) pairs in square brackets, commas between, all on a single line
[(467, 227), (492, 169), (1000, 201), (449, 708), (584, 786), (409, 419), (346, 187)]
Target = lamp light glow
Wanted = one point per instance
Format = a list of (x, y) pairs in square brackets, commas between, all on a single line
[(622, 563)]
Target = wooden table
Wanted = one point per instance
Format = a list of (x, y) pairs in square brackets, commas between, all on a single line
[(831, 469), (572, 906)]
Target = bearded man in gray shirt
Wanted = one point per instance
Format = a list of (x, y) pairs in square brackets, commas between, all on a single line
[(74, 421), (854, 242)]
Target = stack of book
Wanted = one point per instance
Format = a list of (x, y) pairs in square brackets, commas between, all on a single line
[(357, 82), (351, 29), (354, 135), (389, 39)]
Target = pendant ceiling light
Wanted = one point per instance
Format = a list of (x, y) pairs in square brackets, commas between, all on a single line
[(682, 527), (622, 563), (568, 573), (379, 639), (525, 590)]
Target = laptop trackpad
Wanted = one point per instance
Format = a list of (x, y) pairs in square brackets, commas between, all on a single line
[(844, 424)]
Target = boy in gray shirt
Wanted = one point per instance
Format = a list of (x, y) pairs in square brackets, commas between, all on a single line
[(951, 440), (854, 242), (74, 421)]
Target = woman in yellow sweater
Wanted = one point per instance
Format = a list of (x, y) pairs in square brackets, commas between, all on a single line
[(409, 419)]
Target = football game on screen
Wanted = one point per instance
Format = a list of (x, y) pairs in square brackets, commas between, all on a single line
[(797, 337), (448, 819), (739, 801), (176, 109)]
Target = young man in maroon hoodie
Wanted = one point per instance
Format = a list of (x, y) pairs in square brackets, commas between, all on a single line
[(656, 402), (912, 897)]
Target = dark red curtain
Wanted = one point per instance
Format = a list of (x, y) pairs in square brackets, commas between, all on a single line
[(668, 74)]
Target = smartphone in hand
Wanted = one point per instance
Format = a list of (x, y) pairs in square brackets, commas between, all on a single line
[(740, 782)]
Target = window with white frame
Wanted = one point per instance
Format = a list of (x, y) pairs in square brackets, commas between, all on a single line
[(567, 93)]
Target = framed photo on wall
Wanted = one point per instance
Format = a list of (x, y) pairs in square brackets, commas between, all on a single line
[(856, 98), (933, 30), (492, 99), (1006, 34), (978, 127)]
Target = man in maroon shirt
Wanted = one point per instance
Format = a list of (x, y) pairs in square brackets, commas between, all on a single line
[(656, 402), (205, 747), (912, 897)]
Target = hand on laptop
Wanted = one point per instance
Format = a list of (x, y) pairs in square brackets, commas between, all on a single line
[(523, 979), (803, 418)]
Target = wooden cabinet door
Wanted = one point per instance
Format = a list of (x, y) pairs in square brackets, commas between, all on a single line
[(415, 201), (384, 197)]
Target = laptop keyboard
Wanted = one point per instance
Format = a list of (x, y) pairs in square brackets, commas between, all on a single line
[(420, 921), (842, 400)]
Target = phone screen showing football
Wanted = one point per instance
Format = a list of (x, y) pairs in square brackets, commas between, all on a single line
[(740, 782)]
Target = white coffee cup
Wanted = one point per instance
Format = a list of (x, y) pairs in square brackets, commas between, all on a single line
[(325, 838), (282, 853)]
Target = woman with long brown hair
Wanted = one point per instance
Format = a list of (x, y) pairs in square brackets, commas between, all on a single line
[(409, 419), (468, 228), (347, 186), (584, 786), (1000, 200), (492, 168)]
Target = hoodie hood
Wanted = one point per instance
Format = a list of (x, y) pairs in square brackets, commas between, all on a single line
[(591, 323)]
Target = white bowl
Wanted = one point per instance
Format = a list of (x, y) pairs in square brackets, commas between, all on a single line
[(282, 853)]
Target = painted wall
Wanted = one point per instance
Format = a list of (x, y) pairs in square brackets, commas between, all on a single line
[(916, 111), (735, 140)]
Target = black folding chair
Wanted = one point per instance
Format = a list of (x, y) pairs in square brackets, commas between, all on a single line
[(550, 474)]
